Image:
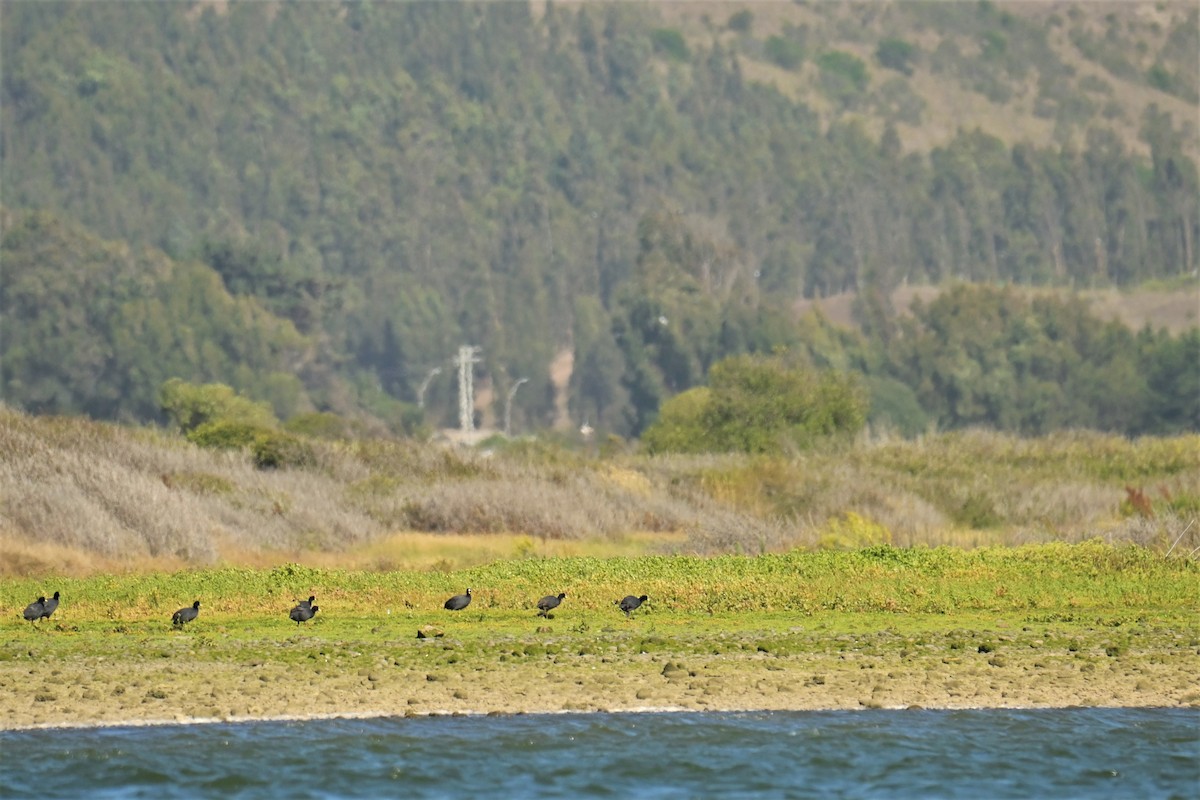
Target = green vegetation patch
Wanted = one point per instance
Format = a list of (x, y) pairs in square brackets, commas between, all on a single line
[(881, 626), (1086, 578)]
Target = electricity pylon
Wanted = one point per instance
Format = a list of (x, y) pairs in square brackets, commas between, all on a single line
[(467, 357)]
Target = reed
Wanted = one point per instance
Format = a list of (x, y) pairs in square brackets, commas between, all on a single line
[(81, 496)]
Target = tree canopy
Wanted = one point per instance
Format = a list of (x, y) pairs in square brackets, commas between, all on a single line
[(316, 204), (758, 404)]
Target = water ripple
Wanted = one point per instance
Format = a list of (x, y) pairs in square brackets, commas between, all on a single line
[(996, 753)]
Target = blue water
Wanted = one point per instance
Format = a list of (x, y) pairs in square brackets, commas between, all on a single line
[(1076, 753)]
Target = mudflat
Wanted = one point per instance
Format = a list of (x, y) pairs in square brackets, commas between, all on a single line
[(229, 668), (1037, 626)]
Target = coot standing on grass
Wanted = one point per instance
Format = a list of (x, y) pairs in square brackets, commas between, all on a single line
[(459, 601), (185, 615), (303, 613), (306, 603), (629, 603), (33, 611), (549, 603), (49, 606)]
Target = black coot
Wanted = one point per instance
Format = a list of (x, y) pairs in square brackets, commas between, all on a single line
[(629, 603), (49, 606), (33, 611), (303, 614), (185, 615), (549, 603), (306, 603), (459, 601)]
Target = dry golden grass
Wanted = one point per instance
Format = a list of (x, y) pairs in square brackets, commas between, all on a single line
[(80, 497), (128, 495), (410, 551), (22, 557), (417, 551)]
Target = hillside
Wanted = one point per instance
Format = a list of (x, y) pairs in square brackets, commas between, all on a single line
[(318, 204), (1054, 70)]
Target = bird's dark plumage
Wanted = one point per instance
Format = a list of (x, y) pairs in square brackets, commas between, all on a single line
[(459, 601), (629, 603), (186, 615), (33, 611), (303, 614), (49, 606), (306, 603), (549, 603)]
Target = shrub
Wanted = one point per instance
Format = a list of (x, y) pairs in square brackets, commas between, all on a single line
[(978, 511), (896, 54), (994, 44), (190, 406), (224, 434), (852, 531), (320, 425), (843, 76), (846, 65), (198, 483), (273, 449), (742, 21), (670, 43), (1158, 77), (786, 53), (680, 424), (759, 405)]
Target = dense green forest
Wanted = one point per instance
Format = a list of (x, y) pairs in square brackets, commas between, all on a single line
[(318, 203)]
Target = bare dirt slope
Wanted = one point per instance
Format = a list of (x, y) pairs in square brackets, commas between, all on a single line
[(1177, 311)]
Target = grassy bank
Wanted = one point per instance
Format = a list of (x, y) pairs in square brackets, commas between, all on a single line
[(1034, 625), (880, 579)]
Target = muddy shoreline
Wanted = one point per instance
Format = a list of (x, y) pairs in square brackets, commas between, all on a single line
[(332, 679)]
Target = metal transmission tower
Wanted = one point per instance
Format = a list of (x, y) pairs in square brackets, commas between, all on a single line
[(467, 357)]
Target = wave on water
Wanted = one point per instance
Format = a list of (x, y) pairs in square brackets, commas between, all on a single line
[(996, 753)]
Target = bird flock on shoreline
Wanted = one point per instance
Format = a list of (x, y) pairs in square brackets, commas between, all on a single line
[(304, 610)]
